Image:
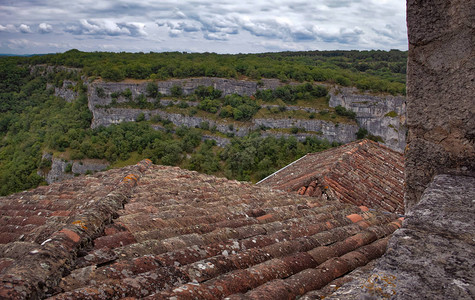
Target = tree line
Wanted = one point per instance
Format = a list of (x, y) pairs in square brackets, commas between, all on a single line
[(377, 71)]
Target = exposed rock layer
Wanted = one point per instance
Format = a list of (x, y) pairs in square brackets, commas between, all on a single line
[(383, 116), (66, 91), (59, 172)]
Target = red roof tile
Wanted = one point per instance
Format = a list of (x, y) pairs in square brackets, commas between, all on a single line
[(363, 173), (163, 232)]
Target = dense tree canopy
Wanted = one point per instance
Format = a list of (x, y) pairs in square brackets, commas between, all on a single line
[(379, 71)]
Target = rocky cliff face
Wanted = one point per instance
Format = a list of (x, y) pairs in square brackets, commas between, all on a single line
[(66, 91), (59, 168), (189, 85), (341, 133), (381, 116)]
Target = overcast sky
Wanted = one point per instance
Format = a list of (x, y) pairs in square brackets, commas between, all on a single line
[(41, 26)]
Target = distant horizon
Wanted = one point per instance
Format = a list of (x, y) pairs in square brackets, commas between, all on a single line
[(331, 50), (225, 27)]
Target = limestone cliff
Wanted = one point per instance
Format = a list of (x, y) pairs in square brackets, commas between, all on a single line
[(227, 86), (66, 91), (66, 169), (383, 116)]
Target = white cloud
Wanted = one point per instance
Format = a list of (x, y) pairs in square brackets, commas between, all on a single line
[(23, 28), (45, 28)]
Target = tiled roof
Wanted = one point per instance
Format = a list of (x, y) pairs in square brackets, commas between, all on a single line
[(364, 173), (156, 232)]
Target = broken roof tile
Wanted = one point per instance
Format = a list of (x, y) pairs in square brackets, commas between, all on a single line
[(364, 173)]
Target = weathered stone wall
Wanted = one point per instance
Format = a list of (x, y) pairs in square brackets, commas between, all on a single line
[(383, 116), (440, 92)]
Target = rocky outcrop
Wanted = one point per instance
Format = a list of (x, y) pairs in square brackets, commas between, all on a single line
[(342, 133), (440, 91), (383, 116), (66, 91), (220, 141), (66, 169)]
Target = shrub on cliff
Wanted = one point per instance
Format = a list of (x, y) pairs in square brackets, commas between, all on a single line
[(100, 92), (152, 90), (176, 91), (361, 133), (209, 92), (341, 111)]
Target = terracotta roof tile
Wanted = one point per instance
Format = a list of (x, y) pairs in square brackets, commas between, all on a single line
[(363, 173), (161, 232)]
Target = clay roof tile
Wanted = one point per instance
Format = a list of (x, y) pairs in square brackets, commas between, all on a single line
[(158, 232), (363, 173)]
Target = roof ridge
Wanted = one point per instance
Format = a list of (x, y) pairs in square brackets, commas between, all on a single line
[(41, 269), (328, 169)]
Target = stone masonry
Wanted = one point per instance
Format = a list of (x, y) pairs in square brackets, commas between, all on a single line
[(440, 92)]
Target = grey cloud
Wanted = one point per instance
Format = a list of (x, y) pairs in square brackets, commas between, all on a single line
[(107, 28), (264, 29), (180, 26), (388, 31), (344, 36), (175, 29), (8, 28), (278, 30), (340, 3), (23, 28), (216, 36), (135, 29), (216, 24), (212, 27), (303, 35), (20, 43)]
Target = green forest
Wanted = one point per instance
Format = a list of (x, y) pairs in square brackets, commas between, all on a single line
[(33, 121), (378, 71)]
